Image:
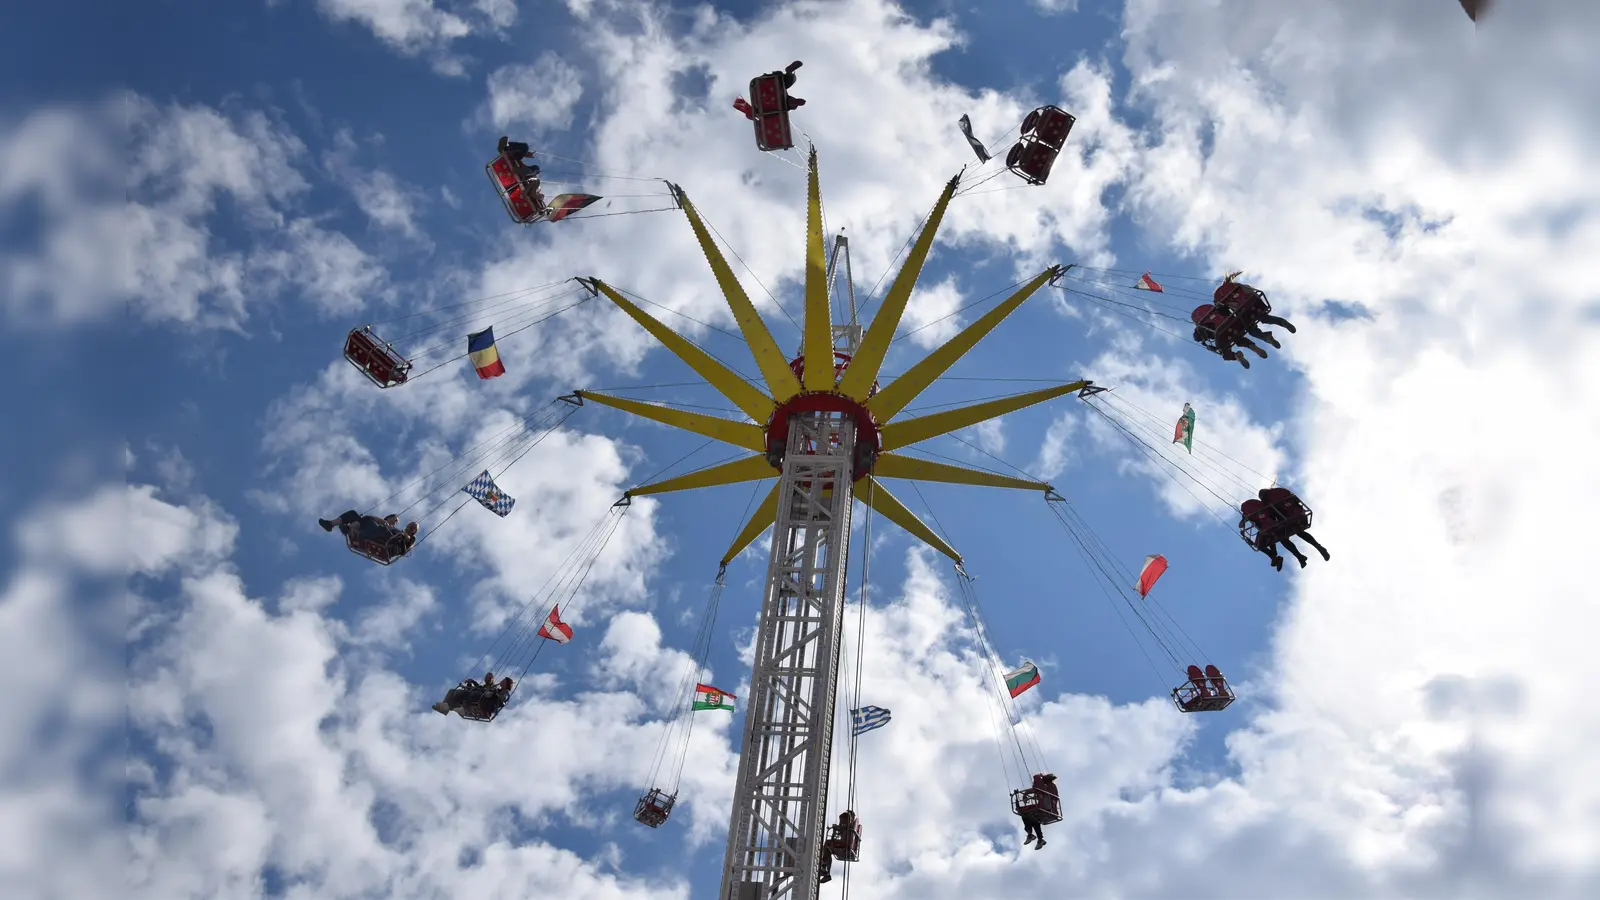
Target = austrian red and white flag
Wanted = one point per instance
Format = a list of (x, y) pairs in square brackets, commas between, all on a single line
[(554, 629), (1146, 283)]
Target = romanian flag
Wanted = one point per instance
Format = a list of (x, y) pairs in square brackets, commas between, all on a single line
[(485, 358), (708, 697), (1023, 677)]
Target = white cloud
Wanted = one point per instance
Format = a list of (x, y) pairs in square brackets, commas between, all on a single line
[(930, 318), (1054, 454), (539, 98)]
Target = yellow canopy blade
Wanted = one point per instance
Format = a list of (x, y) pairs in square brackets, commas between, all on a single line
[(740, 434), (903, 434), (773, 364), (739, 392), (863, 368), (751, 468), (891, 466), (879, 498), (898, 394), (760, 521), (818, 346)]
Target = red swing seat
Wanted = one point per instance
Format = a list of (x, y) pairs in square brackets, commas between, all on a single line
[(654, 807), (379, 361), (770, 100), (384, 552), (520, 203), (1042, 805), (1044, 132), (845, 846), (1203, 693)]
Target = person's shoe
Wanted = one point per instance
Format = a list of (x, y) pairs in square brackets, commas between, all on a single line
[(1325, 556), (326, 525), (1028, 840), (1040, 845), (1242, 361), (1286, 326), (796, 102), (1302, 562), (441, 708), (1277, 563), (503, 142), (1271, 340), (794, 65), (1259, 352), (824, 879)]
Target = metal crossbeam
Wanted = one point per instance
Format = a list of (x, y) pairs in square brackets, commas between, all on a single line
[(782, 785)]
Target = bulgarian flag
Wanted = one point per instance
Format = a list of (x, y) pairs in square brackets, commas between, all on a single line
[(708, 697), (1023, 677)]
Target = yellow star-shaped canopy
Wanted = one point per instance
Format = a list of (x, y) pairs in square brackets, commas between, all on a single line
[(853, 388)]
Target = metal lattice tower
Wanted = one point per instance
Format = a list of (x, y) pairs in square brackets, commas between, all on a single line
[(782, 784)]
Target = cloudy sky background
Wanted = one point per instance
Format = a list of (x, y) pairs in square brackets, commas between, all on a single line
[(195, 212)]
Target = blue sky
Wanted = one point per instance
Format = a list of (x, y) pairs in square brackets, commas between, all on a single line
[(205, 207)]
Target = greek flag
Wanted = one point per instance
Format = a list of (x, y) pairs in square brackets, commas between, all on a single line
[(867, 718), (485, 491)]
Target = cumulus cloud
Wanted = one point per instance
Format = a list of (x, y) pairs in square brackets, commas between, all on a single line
[(540, 97)]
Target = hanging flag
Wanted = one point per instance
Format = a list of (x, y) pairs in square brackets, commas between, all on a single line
[(708, 697), (867, 718), (1154, 565), (485, 491), (1185, 429), (743, 105), (563, 205), (1022, 677), (1146, 283), (485, 358), (553, 628), (977, 146)]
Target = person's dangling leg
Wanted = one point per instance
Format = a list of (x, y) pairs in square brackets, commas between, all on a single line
[(1248, 344), (1256, 332), (1295, 551), (1279, 321), (1313, 542), (346, 519)]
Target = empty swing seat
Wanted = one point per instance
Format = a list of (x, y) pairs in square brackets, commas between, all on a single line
[(1049, 125), (770, 100), (1203, 693), (1032, 160), (654, 807), (520, 204), (1041, 804), (375, 359)]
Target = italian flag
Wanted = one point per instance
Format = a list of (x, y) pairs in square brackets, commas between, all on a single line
[(1023, 677), (708, 697)]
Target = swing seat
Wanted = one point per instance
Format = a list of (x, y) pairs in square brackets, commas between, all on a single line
[(375, 359), (770, 100), (384, 552), (1049, 125), (1247, 302), (1272, 524), (1044, 806), (482, 709), (1203, 694), (521, 205), (1031, 160), (654, 807), (845, 846)]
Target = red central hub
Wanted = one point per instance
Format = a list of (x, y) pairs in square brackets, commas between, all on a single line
[(867, 438)]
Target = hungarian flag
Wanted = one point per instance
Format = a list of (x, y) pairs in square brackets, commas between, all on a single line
[(1022, 677), (1154, 565), (554, 629), (708, 697), (485, 358), (1146, 283), (1185, 429)]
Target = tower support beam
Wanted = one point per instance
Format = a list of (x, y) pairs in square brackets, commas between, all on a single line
[(778, 806)]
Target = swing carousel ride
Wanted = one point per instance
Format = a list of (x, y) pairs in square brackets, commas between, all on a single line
[(826, 433)]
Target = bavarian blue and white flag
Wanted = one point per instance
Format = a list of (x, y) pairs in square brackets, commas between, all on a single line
[(867, 718), (485, 491)]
